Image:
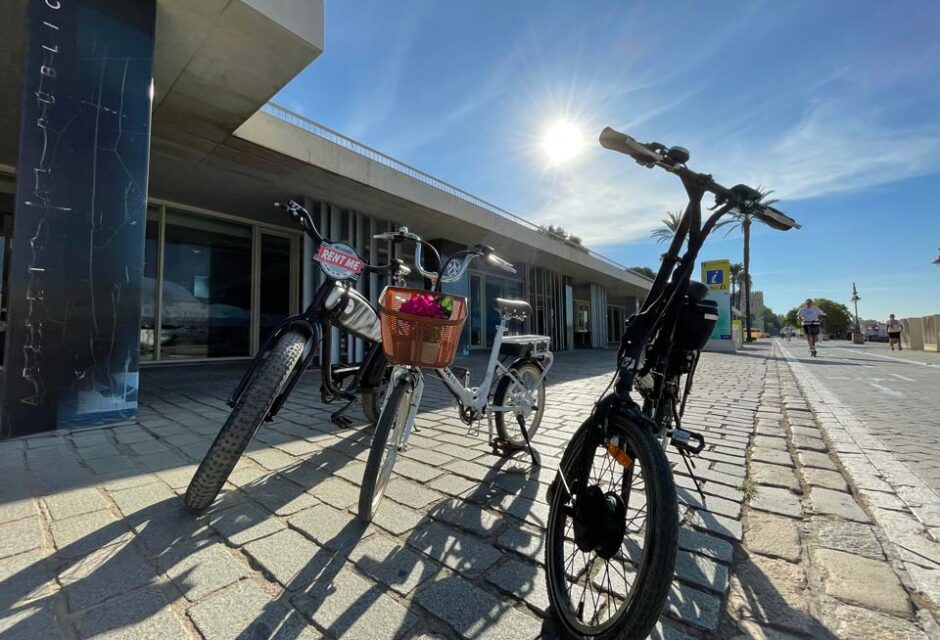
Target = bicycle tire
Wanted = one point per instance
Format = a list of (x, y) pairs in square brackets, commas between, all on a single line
[(373, 399), (244, 421), (504, 431), (643, 606), (382, 454)]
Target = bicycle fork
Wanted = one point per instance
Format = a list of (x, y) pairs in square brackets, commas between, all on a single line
[(417, 390)]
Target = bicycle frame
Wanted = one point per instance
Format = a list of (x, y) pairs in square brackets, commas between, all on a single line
[(477, 398), (318, 330)]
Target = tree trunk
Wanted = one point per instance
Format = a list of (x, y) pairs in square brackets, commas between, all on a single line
[(746, 228)]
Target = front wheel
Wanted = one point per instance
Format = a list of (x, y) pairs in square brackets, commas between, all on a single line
[(244, 421), (524, 389), (386, 439), (611, 550), (373, 398)]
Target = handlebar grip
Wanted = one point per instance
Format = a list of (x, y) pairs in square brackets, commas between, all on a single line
[(775, 219), (502, 264), (616, 141)]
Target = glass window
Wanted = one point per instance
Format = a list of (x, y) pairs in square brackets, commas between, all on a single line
[(6, 243), (148, 290), (206, 304), (498, 288), (476, 318), (274, 282)]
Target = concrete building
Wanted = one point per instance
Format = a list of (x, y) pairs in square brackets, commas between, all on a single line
[(148, 236)]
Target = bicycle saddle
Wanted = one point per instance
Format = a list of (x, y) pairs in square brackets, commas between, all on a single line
[(517, 308)]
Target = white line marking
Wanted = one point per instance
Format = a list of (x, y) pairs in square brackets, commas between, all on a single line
[(886, 390), (898, 375), (879, 355)]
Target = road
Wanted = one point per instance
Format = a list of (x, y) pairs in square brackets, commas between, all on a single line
[(897, 394)]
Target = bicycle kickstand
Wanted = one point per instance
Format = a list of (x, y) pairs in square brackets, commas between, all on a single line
[(525, 436), (337, 417)]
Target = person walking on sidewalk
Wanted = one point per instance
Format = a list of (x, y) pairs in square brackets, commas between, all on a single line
[(893, 327), (809, 314)]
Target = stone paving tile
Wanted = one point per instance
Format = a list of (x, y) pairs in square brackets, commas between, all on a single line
[(778, 501), (773, 536), (279, 496), (243, 523), (836, 503), (706, 545), (151, 497), (816, 460), (24, 577), (522, 581), (30, 623), (693, 607), (860, 581), (287, 556), (701, 572), (453, 548), (398, 520), (80, 535), (104, 574), (20, 536), (199, 572), (410, 494), (17, 510), (825, 479), (330, 527), (142, 614), (477, 614), (246, 611), (392, 563), (774, 476), (350, 606), (73, 503), (771, 592), (854, 623)]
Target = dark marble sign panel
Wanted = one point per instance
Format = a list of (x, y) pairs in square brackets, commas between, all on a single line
[(75, 276)]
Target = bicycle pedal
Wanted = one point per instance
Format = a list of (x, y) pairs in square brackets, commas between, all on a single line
[(500, 447), (690, 442)]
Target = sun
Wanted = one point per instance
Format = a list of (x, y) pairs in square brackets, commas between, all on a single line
[(562, 141)]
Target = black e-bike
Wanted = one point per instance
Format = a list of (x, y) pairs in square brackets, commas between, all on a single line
[(292, 347), (613, 522)]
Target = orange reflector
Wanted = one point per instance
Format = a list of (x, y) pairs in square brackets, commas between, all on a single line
[(622, 457)]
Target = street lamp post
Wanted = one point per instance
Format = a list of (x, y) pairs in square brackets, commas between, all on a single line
[(857, 337)]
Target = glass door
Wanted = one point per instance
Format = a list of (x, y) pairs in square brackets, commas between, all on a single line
[(277, 282)]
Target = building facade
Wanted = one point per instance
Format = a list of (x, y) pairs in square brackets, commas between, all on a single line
[(154, 241)]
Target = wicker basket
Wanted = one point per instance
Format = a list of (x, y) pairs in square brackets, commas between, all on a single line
[(416, 340)]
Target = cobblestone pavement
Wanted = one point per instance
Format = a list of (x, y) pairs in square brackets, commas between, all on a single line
[(813, 562), (894, 393), (94, 541)]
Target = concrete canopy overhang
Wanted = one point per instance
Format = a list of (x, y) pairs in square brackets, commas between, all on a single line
[(268, 159), (216, 62)]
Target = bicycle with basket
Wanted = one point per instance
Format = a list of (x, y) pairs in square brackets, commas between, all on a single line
[(421, 331)]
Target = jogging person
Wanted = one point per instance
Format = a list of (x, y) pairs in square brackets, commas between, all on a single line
[(809, 314), (893, 327)]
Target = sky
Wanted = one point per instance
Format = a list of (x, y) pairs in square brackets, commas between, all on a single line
[(835, 106)]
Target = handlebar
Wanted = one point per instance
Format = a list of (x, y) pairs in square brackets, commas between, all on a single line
[(673, 159), (300, 214)]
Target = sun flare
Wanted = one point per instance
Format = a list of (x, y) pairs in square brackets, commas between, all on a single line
[(562, 141)]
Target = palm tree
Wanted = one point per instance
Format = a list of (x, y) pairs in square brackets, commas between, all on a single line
[(743, 221), (736, 270), (670, 225)]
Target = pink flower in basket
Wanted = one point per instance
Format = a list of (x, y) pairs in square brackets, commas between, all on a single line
[(427, 306)]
